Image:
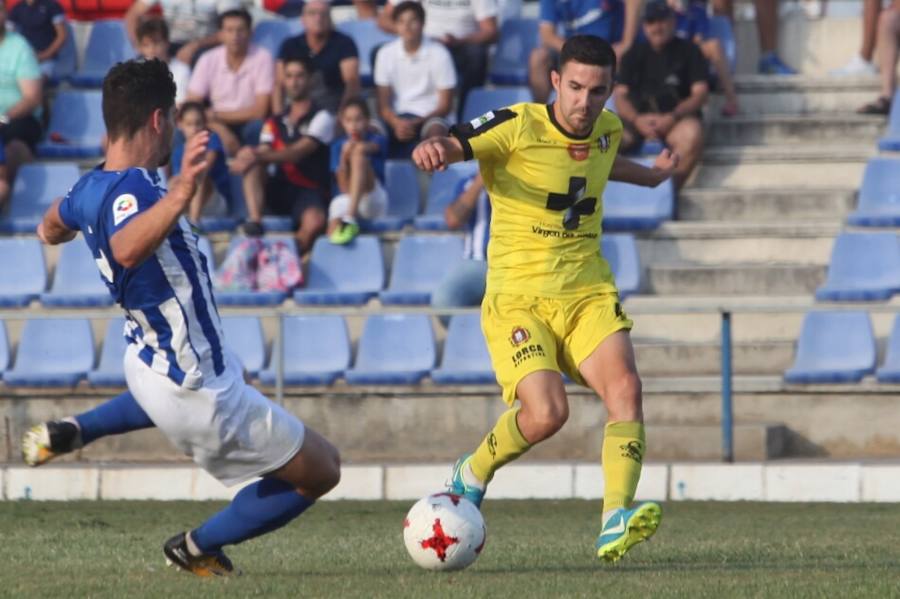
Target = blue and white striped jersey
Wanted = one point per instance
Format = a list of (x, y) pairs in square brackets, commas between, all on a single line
[(168, 299), (478, 229)]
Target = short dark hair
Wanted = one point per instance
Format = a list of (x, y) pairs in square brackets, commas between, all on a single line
[(153, 28), (416, 7), (191, 107), (132, 91), (588, 49), (240, 13), (305, 61), (358, 102)]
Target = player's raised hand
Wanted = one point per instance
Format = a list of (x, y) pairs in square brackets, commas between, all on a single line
[(431, 154)]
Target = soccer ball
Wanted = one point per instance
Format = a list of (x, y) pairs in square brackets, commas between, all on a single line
[(444, 532)]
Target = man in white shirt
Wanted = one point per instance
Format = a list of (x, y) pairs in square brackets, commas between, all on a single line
[(467, 28), (415, 79)]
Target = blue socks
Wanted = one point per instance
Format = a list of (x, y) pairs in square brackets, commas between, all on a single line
[(119, 415), (261, 507)]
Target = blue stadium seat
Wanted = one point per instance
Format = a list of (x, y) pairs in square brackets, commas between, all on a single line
[(834, 347), (631, 207), (864, 267), (76, 126), (37, 185), (466, 360), (720, 29), (247, 298), (272, 33), (368, 36), (402, 186), (23, 272), (621, 251), (444, 187), (316, 351), (107, 44), (395, 349), (890, 370), (53, 352), (420, 264), (518, 37), (879, 196), (4, 349), (346, 275), (891, 141), (244, 336), (110, 372), (481, 100), (66, 62), (77, 282)]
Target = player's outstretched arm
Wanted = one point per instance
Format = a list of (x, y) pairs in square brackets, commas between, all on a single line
[(628, 171), (52, 230), (139, 238), (437, 153)]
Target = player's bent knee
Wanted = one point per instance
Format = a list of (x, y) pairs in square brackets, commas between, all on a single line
[(544, 421)]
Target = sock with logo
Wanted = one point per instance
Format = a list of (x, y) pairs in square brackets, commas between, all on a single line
[(501, 446), (623, 453)]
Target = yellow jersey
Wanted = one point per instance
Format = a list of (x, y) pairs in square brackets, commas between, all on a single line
[(546, 189)]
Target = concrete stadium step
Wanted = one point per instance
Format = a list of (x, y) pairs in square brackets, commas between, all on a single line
[(805, 129), (661, 358), (731, 205), (798, 166), (752, 442), (719, 243), (799, 95), (736, 279)]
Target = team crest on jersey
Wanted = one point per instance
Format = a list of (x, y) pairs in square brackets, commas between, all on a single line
[(124, 206), (487, 117), (519, 336), (579, 152), (603, 143)]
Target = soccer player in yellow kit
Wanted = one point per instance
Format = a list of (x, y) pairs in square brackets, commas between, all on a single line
[(551, 306)]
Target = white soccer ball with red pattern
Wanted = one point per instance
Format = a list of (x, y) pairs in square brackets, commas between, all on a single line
[(444, 532)]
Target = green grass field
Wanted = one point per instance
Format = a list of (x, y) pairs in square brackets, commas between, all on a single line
[(534, 549)]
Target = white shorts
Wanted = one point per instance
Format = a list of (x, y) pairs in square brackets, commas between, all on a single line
[(371, 205), (229, 428)]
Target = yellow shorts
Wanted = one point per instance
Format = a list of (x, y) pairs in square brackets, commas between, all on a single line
[(525, 334)]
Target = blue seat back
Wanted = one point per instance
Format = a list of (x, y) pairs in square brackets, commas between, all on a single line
[(402, 187), (446, 185), (367, 36), (76, 271), (880, 191), (720, 29), (244, 336), (838, 341), (4, 349), (77, 116), (421, 262), (627, 206), (55, 345), (892, 354), (465, 348), (481, 100), (272, 33), (66, 62), (620, 250), (107, 44), (37, 185), (518, 37), (22, 268), (865, 260), (314, 344), (114, 345), (356, 266), (893, 128), (396, 343)]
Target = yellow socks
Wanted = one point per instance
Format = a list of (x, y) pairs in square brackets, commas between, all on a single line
[(502, 445), (623, 452)]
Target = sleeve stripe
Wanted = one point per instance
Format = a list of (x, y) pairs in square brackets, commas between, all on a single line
[(466, 146)]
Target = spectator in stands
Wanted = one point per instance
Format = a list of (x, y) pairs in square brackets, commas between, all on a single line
[(357, 161), (43, 24), (193, 25), (5, 181), (365, 9), (213, 193), (888, 41), (236, 79), (334, 57), (863, 63), (21, 95), (153, 42), (662, 89), (471, 210), (295, 145), (466, 27), (614, 20), (767, 29), (415, 79), (692, 24)]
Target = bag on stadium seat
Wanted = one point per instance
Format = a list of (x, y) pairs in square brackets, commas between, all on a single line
[(278, 267), (238, 271)]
